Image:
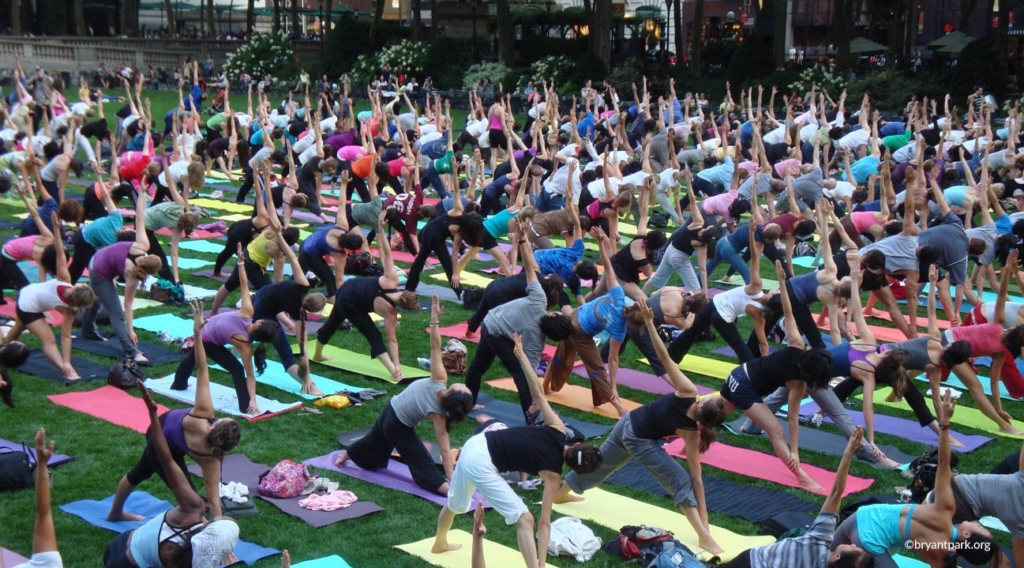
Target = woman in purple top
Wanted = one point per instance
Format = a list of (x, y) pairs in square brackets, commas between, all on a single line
[(190, 432), (239, 331), (122, 260)]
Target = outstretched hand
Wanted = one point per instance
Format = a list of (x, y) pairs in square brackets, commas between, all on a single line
[(947, 407), (150, 404), (856, 442), (518, 340), (197, 315), (645, 310), (43, 450), (436, 309), (779, 271)]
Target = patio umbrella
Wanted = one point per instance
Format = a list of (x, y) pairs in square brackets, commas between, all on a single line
[(865, 45), (957, 45), (947, 39)]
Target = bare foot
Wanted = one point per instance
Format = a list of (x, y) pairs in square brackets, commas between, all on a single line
[(1011, 431), (341, 459), (440, 547), (123, 516), (809, 484), (617, 403), (218, 275), (956, 443), (568, 498), (322, 358), (711, 546), (310, 388), (869, 313), (892, 397), (141, 359), (471, 334), (477, 407), (887, 463)]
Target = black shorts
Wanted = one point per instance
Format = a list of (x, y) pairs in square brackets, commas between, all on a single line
[(499, 141), (116, 554), (489, 241), (739, 390), (27, 317)]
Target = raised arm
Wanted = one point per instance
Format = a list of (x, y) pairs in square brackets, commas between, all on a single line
[(189, 502), (793, 336)]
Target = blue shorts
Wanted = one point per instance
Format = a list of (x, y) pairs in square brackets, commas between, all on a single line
[(739, 390)]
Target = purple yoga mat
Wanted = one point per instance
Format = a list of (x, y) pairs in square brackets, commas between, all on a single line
[(396, 477), (11, 558), (728, 351), (55, 459), (305, 216), (238, 467), (906, 429), (646, 382), (497, 270), (712, 292), (481, 256)]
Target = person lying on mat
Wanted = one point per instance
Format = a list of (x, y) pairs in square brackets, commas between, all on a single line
[(358, 297), (192, 432), (266, 248), (25, 249), (921, 355), (181, 536), (722, 311), (537, 450), (527, 316), (811, 550), (44, 537), (926, 529), (860, 360), (636, 436), (588, 320), (284, 301), (999, 494), (395, 429), (58, 294), (793, 368), (239, 330), (334, 242), (175, 216)]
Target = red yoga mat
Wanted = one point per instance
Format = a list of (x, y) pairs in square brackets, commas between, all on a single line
[(764, 466), (7, 310), (402, 256), (458, 331), (110, 404)]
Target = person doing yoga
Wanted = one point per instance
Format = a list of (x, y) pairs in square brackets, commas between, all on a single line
[(686, 242), (395, 429), (26, 249), (194, 432), (537, 450), (45, 553)]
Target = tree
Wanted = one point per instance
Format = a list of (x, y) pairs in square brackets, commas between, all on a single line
[(892, 14), (599, 14), (171, 29), (250, 16), (296, 28), (780, 31), (506, 35), (842, 19), (697, 39), (326, 21), (79, 18), (15, 15), (416, 7), (277, 16), (378, 15), (676, 8), (211, 26), (1003, 32), (966, 9)]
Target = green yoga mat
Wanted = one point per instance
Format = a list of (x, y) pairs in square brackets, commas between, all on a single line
[(362, 364), (209, 247), (962, 416), (805, 261), (703, 366)]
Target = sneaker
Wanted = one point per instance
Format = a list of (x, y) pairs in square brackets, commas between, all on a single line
[(217, 194)]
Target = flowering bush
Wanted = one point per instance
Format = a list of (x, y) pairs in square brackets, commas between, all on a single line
[(826, 78), (407, 54), (555, 69), (263, 54), (496, 72)]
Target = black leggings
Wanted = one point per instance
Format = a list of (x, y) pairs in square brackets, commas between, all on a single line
[(705, 319), (11, 275), (912, 395), (643, 343), (494, 296), (161, 194), (433, 239), (804, 322), (356, 314), (256, 274), (247, 182), (772, 253), (149, 463), (316, 264), (156, 249), (241, 232), (222, 356), (83, 253), (491, 346), (373, 451)]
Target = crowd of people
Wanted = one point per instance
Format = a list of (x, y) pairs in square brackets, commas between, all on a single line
[(896, 207)]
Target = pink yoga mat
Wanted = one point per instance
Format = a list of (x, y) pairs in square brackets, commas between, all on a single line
[(763, 466), (110, 404), (8, 311), (497, 270), (402, 256), (458, 331), (11, 558), (888, 334)]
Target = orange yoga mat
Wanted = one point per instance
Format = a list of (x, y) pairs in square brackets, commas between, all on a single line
[(458, 331), (111, 404), (573, 396), (887, 334), (764, 466)]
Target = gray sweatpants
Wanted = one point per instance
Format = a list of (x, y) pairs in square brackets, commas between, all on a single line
[(830, 405), (676, 261), (667, 206), (106, 296)]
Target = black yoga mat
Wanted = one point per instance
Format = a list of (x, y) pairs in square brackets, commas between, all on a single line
[(239, 468), (512, 415), (750, 502), (824, 442), (208, 273), (157, 354), (346, 439), (39, 366)]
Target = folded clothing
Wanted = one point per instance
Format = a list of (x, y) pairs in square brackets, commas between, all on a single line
[(236, 492), (331, 502)]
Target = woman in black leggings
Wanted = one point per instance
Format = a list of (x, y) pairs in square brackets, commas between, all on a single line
[(355, 300), (458, 225), (240, 233)]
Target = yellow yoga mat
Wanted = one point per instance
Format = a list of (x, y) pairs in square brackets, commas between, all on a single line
[(573, 396), (235, 217), (221, 205), (467, 277), (362, 364), (588, 244), (703, 366), (326, 312), (496, 554), (627, 230), (142, 304), (962, 415), (615, 511)]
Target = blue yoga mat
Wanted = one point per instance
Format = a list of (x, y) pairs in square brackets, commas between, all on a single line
[(142, 503), (172, 324), (211, 247), (277, 376), (192, 263), (954, 381), (333, 561)]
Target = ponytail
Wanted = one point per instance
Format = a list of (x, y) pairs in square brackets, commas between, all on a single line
[(259, 358), (707, 437)]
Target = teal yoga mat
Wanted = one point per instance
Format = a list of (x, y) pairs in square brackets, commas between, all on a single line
[(202, 245), (333, 561), (805, 261), (172, 324), (276, 376), (192, 263)]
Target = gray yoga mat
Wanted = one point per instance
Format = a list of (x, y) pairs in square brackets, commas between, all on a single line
[(346, 439), (821, 441), (208, 273)]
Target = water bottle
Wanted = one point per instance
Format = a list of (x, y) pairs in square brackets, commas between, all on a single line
[(165, 337), (423, 362)]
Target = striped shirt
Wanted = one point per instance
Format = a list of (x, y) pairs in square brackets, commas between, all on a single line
[(809, 550)]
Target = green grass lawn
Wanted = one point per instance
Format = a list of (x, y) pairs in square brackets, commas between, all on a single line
[(105, 452)]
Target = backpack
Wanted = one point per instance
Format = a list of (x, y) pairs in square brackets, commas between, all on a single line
[(284, 480), (786, 522), (658, 220), (124, 375), (633, 541), (923, 470), (674, 555), (454, 357), (357, 263), (471, 298)]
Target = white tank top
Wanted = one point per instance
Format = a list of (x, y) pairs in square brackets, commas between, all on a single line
[(988, 309), (42, 297), (49, 171), (734, 302)]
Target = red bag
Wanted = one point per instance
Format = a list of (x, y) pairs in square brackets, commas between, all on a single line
[(284, 480)]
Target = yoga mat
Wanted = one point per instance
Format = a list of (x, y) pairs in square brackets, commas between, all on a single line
[(466, 278), (498, 555), (8, 311), (766, 283), (615, 511), (333, 561), (234, 217), (497, 270), (362, 364), (175, 326), (30, 449), (139, 304), (888, 334), (727, 351), (806, 262), (964, 415), (921, 322), (215, 181), (745, 501), (703, 366), (823, 442), (277, 376), (458, 331), (11, 558), (196, 234), (396, 477), (142, 503), (512, 415), (157, 354), (221, 205), (907, 429), (308, 217), (208, 273), (204, 246), (197, 293), (642, 381), (239, 468), (38, 365), (443, 292), (346, 439), (110, 404), (986, 383), (192, 263), (403, 256), (573, 396), (752, 463), (224, 398)]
